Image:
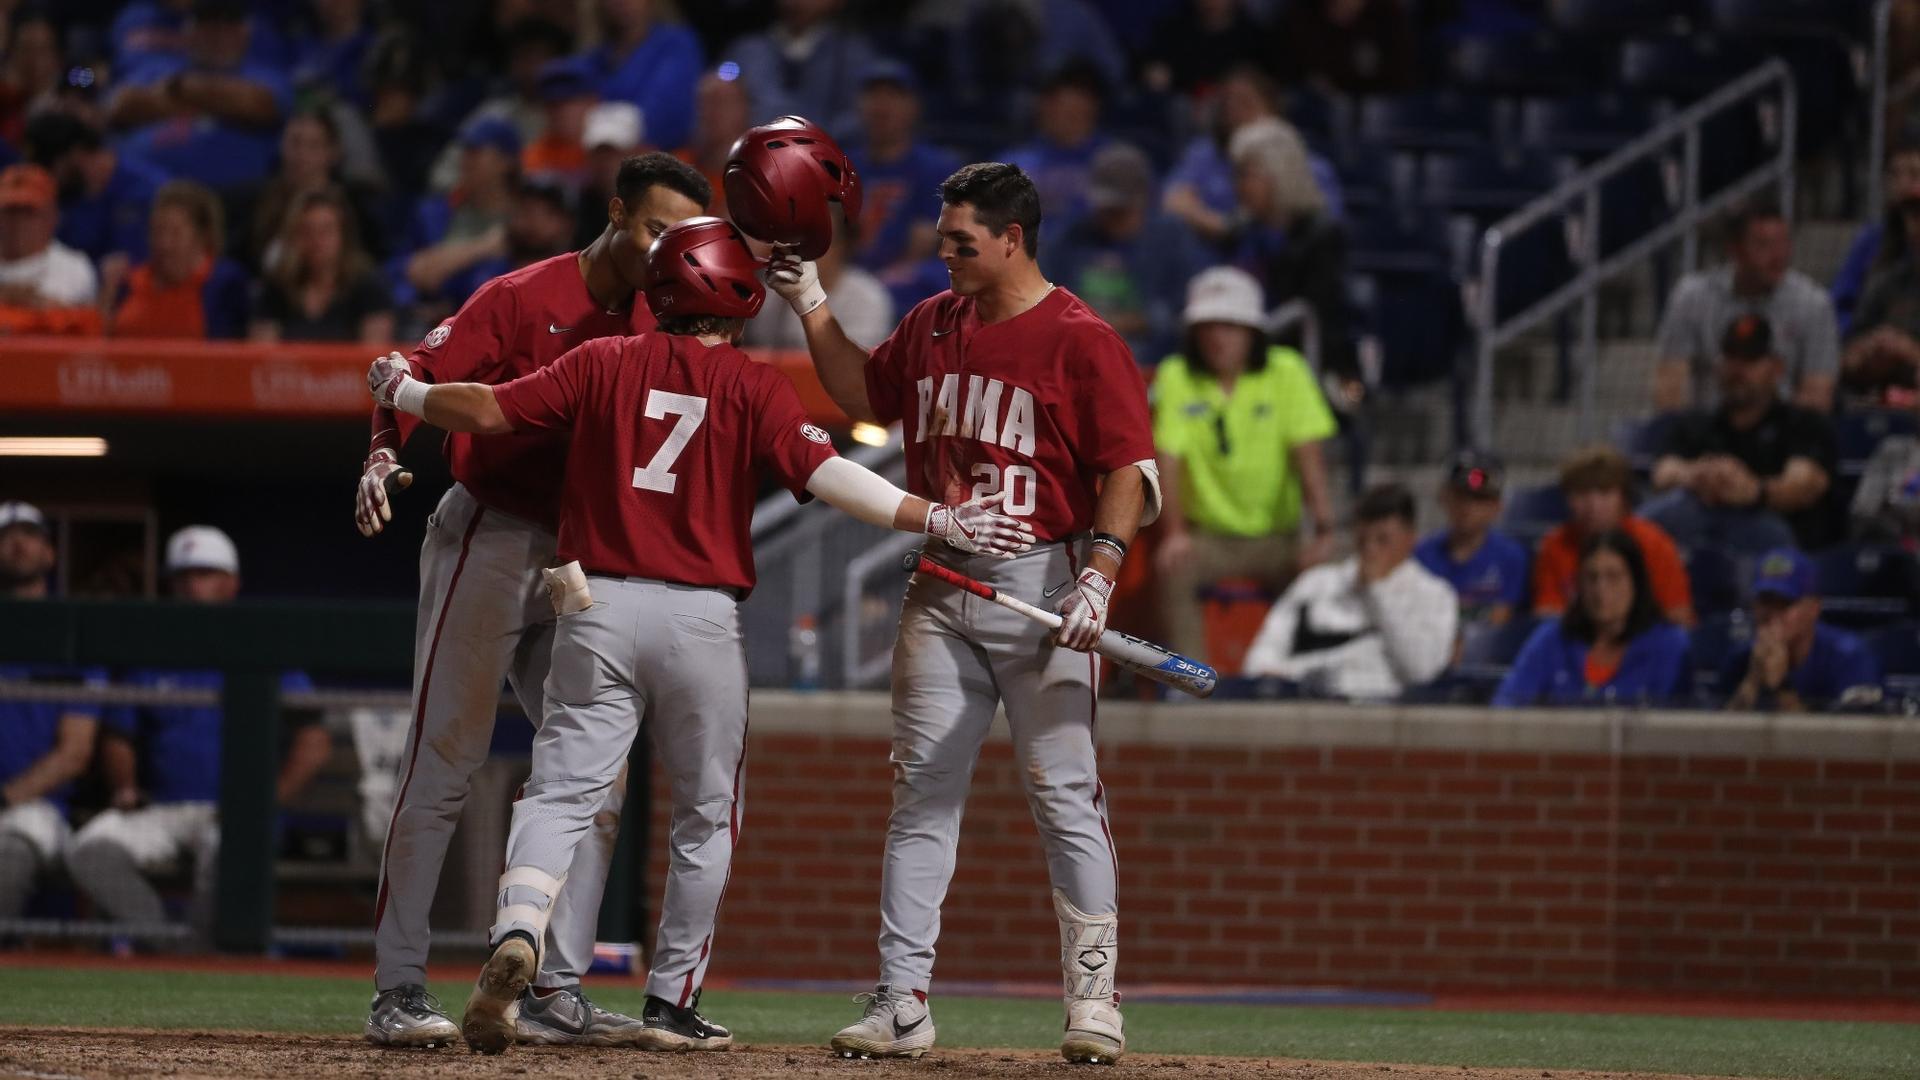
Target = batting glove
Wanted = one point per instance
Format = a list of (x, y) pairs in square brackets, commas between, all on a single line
[(1083, 614), (392, 384), (797, 281), (978, 528), (381, 473)]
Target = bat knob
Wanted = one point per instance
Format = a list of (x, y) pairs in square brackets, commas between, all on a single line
[(910, 561)]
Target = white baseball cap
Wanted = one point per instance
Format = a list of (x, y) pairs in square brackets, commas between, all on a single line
[(20, 513), (1225, 294), (202, 547), (619, 124)]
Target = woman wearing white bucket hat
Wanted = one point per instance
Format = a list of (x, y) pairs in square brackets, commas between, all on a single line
[(1238, 423)]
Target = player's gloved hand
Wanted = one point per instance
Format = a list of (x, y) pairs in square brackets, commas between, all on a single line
[(1083, 613), (796, 281), (386, 376), (978, 528), (381, 474)]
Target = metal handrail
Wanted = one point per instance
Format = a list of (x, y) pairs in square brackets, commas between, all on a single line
[(1584, 188), (1877, 123)]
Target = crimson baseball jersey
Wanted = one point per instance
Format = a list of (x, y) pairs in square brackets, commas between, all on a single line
[(669, 437), (1040, 405), (513, 325)]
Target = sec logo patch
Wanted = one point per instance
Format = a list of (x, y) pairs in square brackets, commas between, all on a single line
[(438, 336), (816, 434)]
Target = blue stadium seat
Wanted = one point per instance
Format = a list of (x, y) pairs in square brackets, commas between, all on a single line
[(1416, 317), (1837, 18), (1643, 439), (1492, 183), (1617, 16), (1679, 65), (1525, 64), (1862, 585), (1405, 239), (1319, 116), (1897, 647), (1499, 646), (1858, 432), (1533, 263), (1442, 121), (1715, 579), (1585, 125), (1532, 512), (1366, 175)]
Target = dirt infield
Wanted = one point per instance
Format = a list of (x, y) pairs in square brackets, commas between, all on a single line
[(72, 1054)]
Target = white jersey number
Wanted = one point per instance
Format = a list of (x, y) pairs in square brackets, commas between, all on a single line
[(658, 475), (1022, 485)]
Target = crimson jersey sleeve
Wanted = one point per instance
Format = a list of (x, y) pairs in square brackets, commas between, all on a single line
[(1109, 427), (466, 347), (885, 372), (550, 398), (784, 442)]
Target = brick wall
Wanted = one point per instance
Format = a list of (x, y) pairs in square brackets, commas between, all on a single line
[(1349, 848)]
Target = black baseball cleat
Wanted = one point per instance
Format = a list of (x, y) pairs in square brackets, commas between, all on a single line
[(670, 1027)]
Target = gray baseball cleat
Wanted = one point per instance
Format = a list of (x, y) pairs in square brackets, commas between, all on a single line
[(896, 1024), (408, 1016), (489, 1022), (566, 1017)]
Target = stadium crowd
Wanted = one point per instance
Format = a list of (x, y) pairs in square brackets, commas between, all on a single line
[(351, 170)]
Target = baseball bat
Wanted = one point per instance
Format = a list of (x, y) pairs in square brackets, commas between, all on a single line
[(1135, 654)]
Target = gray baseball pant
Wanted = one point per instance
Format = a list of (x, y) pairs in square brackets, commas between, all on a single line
[(959, 658), (671, 656), (484, 614)]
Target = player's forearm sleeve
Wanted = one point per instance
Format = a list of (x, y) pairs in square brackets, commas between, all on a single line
[(856, 490)]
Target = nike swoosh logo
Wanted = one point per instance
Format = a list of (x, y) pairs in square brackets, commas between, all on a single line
[(552, 329), (1049, 593), (943, 333), (902, 1032)]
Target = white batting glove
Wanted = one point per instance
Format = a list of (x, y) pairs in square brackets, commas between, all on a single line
[(797, 281), (978, 528), (392, 384), (1083, 613), (381, 473)]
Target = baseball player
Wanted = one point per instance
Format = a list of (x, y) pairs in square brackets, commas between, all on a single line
[(483, 609), (670, 432), (1004, 385)]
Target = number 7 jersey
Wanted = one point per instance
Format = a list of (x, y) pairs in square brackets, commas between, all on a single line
[(670, 439), (1041, 405)]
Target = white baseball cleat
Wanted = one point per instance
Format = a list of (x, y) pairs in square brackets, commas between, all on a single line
[(408, 1016), (1094, 1032), (896, 1024), (489, 1023)]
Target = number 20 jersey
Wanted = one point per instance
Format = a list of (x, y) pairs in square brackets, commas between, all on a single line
[(1040, 405), (670, 438)]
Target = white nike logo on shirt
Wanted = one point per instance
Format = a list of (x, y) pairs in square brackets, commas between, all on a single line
[(943, 333), (552, 329)]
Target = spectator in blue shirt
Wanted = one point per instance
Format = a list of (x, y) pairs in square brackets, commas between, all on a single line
[(44, 745), (211, 115), (1796, 663), (652, 64), (807, 63), (1126, 259), (901, 175), (146, 29), (104, 196), (1486, 567), (1871, 250), (1610, 648), (333, 58), (454, 231), (1066, 121), (540, 226), (162, 762)]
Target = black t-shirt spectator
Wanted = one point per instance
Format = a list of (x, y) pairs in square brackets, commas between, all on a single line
[(1786, 432), (340, 321)]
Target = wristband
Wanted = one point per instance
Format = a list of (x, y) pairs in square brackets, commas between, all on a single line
[(1113, 545), (411, 397), (808, 301)]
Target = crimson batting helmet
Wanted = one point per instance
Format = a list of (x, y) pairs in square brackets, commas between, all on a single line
[(779, 178), (702, 266)]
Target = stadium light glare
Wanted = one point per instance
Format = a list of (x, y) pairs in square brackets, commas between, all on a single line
[(52, 446), (870, 434)]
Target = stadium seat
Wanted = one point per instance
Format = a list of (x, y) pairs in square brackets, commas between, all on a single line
[(1862, 585), (1679, 65), (1489, 183), (1897, 647), (1715, 579), (1366, 176), (1837, 18), (1713, 643), (1442, 121), (1585, 125), (1617, 16), (1857, 433), (1416, 316), (1533, 263), (1532, 512), (1405, 239), (1525, 64)]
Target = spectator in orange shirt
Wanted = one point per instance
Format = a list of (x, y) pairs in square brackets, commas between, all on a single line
[(185, 289), (1596, 484)]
